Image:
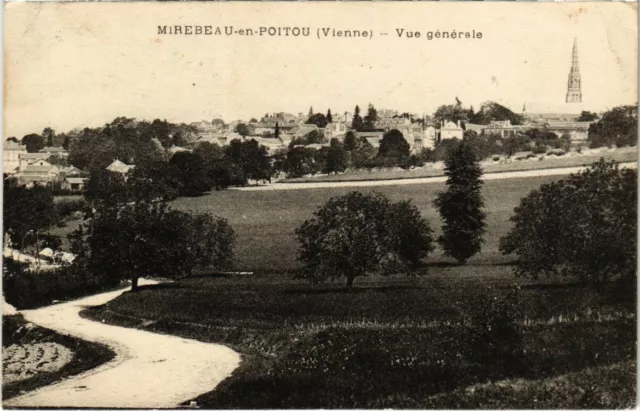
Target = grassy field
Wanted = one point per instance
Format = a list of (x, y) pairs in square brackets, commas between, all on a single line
[(399, 343), (626, 154), (264, 221)]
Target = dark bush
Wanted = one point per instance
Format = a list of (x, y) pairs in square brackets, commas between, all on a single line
[(496, 321), (68, 208), (24, 288)]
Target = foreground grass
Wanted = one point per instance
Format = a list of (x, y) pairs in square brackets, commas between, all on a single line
[(401, 343), (86, 355)]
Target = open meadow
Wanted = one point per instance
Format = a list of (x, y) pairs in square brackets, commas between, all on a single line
[(265, 221), (400, 342)]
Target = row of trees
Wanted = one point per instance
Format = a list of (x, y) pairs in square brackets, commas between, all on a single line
[(356, 234), (583, 226), (187, 173), (354, 152)]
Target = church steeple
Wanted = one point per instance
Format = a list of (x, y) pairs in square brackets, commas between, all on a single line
[(574, 91)]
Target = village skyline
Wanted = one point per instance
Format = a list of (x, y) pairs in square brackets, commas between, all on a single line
[(137, 73)]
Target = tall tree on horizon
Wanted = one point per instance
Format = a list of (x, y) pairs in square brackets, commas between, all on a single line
[(276, 133), (356, 122), (460, 206), (329, 116), (310, 111), (47, 135), (371, 118)]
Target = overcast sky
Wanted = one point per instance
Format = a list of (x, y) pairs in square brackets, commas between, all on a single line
[(83, 64)]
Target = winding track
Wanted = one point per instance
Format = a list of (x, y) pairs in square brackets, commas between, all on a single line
[(150, 370)]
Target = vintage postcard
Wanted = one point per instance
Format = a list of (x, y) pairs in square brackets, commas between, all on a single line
[(260, 205)]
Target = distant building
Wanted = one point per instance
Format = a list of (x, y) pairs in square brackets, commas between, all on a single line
[(576, 130), (39, 172), (11, 152), (176, 149), (71, 171), (336, 129), (504, 129), (55, 151), (574, 89), (119, 167), (74, 183), (27, 158), (450, 130), (427, 139), (372, 137)]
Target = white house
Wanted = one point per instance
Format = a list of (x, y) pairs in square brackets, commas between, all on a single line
[(119, 167), (11, 152), (450, 130)]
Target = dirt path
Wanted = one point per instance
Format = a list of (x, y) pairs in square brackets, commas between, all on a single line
[(150, 370), (422, 180)]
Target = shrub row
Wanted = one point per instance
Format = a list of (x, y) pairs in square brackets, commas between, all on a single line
[(24, 288)]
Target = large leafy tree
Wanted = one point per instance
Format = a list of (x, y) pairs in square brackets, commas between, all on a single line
[(587, 116), (318, 119), (491, 111), (336, 158), (363, 154), (618, 126), (126, 139), (583, 226), (26, 211), (144, 238), (157, 180), (356, 234), (299, 162), (195, 179), (252, 157), (394, 145), (460, 205), (33, 142), (452, 112), (242, 129), (106, 188), (48, 135)]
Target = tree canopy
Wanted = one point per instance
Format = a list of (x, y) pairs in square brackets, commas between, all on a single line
[(143, 238), (26, 210), (318, 119), (460, 205), (356, 234), (618, 126), (393, 144), (33, 142), (583, 226)]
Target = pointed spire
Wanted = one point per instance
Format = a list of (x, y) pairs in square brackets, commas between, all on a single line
[(574, 90)]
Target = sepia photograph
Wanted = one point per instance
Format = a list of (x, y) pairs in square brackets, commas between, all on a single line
[(310, 205)]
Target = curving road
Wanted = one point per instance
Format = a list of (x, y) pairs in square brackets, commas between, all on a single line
[(422, 180), (150, 370)]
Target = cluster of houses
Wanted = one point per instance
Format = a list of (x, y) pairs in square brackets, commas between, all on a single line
[(277, 130), (37, 169), (32, 169)]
